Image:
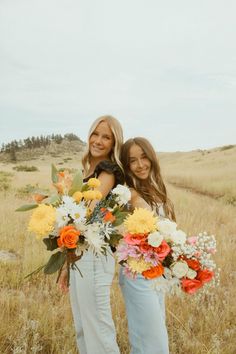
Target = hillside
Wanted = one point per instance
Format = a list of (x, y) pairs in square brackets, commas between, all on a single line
[(208, 172)]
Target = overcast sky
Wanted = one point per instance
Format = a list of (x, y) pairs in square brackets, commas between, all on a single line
[(165, 69)]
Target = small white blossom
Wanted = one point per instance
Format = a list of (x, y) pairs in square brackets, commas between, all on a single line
[(155, 239), (123, 194)]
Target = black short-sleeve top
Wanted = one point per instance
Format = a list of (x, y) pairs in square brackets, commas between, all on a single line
[(111, 168)]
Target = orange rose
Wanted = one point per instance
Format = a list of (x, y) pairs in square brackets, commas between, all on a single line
[(153, 272), (68, 237), (190, 286), (109, 217), (193, 263), (204, 275)]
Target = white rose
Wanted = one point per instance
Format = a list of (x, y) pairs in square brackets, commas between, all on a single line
[(166, 227), (179, 237), (179, 269), (191, 274), (155, 239), (123, 194)]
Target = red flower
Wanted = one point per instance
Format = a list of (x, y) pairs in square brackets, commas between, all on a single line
[(193, 263), (163, 250), (204, 275), (145, 247), (190, 286)]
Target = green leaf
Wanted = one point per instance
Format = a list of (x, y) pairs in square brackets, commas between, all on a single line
[(53, 199), (27, 207), (54, 173), (120, 216), (85, 187), (51, 243), (55, 262), (77, 183), (114, 239)]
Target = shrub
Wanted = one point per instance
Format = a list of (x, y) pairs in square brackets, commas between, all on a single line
[(25, 168)]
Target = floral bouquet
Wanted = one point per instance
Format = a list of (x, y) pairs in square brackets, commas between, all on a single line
[(154, 248), (65, 222)]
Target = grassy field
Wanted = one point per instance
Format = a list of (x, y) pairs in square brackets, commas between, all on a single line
[(36, 318)]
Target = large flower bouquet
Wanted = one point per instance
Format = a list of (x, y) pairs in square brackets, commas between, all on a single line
[(153, 247), (66, 224)]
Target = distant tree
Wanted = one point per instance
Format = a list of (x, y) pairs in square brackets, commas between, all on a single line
[(71, 137)]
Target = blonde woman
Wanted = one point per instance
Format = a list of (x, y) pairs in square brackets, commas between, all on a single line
[(90, 294), (145, 306)]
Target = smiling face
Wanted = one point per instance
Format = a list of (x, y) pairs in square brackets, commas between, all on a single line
[(139, 163), (101, 141)]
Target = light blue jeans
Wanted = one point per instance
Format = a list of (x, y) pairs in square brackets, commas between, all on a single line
[(145, 309), (90, 302)]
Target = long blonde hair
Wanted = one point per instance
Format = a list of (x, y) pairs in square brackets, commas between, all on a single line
[(152, 190), (117, 132)]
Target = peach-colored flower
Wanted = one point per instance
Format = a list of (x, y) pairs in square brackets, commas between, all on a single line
[(134, 239)]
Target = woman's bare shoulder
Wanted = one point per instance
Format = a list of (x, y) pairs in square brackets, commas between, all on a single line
[(137, 201)]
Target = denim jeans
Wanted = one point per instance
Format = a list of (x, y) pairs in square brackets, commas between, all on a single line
[(145, 309), (90, 302)]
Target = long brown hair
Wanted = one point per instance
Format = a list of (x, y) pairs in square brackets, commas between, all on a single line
[(117, 132), (152, 190)]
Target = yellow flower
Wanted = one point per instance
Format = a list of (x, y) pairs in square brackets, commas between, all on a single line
[(141, 221), (89, 195), (98, 195), (94, 183), (78, 196), (138, 265), (42, 220)]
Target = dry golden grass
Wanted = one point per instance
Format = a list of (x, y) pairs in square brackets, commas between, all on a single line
[(36, 318)]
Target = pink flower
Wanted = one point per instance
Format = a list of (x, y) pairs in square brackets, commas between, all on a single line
[(163, 250), (134, 239), (192, 240)]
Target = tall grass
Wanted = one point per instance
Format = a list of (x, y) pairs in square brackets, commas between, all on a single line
[(36, 318)]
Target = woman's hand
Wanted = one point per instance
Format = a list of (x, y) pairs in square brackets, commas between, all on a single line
[(63, 281)]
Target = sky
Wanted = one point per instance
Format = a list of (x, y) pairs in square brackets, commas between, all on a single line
[(165, 69)]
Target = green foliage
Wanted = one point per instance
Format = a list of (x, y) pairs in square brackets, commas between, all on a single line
[(26, 191), (27, 207), (55, 262), (77, 183), (227, 147), (51, 243), (54, 173), (25, 168)]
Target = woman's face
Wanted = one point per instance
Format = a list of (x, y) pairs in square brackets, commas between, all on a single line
[(101, 141), (139, 163)]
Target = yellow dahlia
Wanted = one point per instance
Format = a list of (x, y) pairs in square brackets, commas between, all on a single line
[(42, 220), (138, 265), (141, 221)]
